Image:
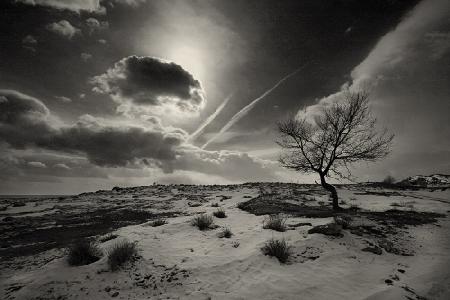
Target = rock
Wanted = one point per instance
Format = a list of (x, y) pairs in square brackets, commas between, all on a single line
[(375, 250), (331, 229), (115, 294), (401, 271), (107, 289), (388, 281)]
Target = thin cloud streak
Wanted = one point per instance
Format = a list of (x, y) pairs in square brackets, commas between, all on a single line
[(244, 111), (208, 120)]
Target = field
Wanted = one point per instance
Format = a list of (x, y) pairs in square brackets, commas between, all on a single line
[(384, 244)]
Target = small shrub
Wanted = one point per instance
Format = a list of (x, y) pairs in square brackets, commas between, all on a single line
[(158, 222), (225, 233), (241, 205), (220, 213), (411, 207), (120, 253), (343, 220), (83, 253), (278, 248), (108, 237), (235, 244), (275, 222), (354, 207), (202, 221), (389, 180), (215, 205)]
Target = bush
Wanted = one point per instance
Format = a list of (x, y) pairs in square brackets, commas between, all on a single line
[(278, 248), (220, 213), (83, 253), (389, 180), (343, 220), (120, 253), (158, 222), (354, 207), (108, 237), (241, 205), (275, 222), (202, 221), (225, 233)]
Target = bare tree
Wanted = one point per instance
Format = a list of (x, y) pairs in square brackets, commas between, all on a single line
[(343, 133)]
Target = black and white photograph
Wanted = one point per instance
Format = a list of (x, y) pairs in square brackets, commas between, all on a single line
[(225, 149)]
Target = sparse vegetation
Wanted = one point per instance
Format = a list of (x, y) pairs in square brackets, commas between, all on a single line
[(343, 220), (220, 213), (83, 253), (158, 222), (354, 207), (278, 248), (389, 180), (226, 233), (108, 237), (241, 205), (275, 222), (120, 253), (405, 204), (203, 221)]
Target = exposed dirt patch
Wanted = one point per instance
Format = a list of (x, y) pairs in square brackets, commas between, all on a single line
[(262, 205), (32, 235), (401, 218)]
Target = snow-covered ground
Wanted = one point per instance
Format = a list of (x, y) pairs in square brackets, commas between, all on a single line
[(178, 261)]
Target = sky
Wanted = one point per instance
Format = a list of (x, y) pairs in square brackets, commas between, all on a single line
[(102, 93)]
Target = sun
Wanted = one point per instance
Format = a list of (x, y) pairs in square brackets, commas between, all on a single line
[(192, 59)]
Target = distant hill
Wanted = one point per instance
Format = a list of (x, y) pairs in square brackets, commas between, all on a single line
[(435, 180)]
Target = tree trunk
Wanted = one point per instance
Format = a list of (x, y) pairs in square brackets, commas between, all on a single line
[(332, 190)]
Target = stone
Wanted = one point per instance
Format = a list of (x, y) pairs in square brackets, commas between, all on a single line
[(375, 250), (331, 229)]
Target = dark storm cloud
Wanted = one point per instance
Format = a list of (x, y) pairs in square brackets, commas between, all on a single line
[(115, 146), (151, 81), (26, 122)]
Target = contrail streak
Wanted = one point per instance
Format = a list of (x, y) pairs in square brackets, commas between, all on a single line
[(208, 120), (244, 111)]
